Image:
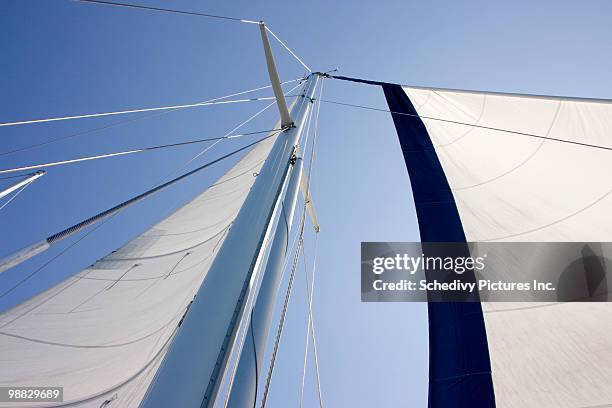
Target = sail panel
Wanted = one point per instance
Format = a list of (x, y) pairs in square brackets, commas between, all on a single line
[(459, 367), (491, 172), (530, 171), (102, 333)]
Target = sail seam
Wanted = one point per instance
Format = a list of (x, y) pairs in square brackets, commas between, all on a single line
[(525, 161), (169, 253)]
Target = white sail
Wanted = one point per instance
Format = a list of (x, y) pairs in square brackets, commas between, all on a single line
[(524, 186), (102, 333)]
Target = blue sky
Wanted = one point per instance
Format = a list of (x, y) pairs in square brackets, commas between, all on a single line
[(63, 58)]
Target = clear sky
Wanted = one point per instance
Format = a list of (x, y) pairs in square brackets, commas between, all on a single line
[(62, 58)]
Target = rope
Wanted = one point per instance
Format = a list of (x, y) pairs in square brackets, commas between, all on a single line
[(310, 288), (469, 124), (247, 322), (310, 326), (15, 195), (235, 366), (308, 122), (281, 323), (139, 118), (104, 214), (306, 272), (235, 129), (96, 115), (305, 350), (314, 140), (288, 49), (191, 13), (300, 238), (159, 9), (300, 241), (128, 152), (146, 149)]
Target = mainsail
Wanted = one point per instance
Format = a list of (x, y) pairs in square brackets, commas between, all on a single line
[(102, 333), (506, 167)]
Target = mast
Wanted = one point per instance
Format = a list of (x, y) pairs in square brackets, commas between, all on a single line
[(191, 372), (243, 389)]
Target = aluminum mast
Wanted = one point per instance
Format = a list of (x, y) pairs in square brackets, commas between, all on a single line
[(243, 391), (191, 372)]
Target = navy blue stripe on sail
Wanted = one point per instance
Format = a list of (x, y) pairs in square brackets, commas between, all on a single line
[(459, 365)]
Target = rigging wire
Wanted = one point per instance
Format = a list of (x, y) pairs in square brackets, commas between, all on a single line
[(310, 324), (300, 241), (281, 323), (150, 115), (468, 124), (192, 13), (307, 335), (308, 122), (306, 269), (134, 151), (17, 176), (160, 108), (159, 9), (305, 349), (298, 248), (114, 210), (104, 221), (207, 148), (256, 114), (15, 195), (245, 326), (288, 49), (104, 214), (310, 288)]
